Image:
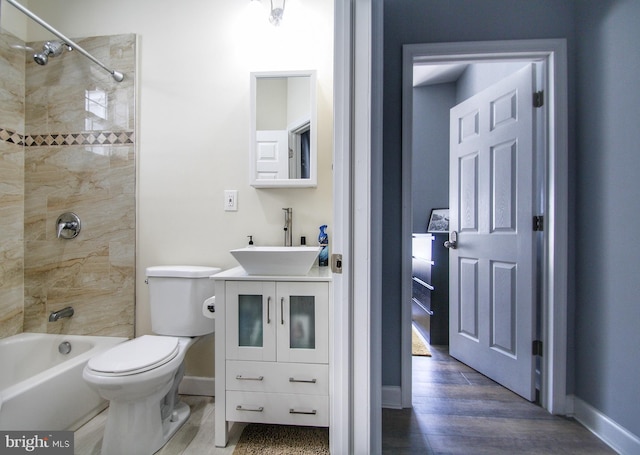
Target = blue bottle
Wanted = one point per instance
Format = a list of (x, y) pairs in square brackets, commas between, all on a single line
[(323, 241)]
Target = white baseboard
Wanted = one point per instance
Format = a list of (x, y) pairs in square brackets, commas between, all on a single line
[(391, 397), (614, 435), (198, 385)]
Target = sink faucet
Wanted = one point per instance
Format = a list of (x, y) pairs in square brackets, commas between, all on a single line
[(288, 221), (63, 313)]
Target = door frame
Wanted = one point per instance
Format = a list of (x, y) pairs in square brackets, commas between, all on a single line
[(355, 330), (555, 255)]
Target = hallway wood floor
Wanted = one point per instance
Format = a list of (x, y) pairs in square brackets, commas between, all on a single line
[(456, 410)]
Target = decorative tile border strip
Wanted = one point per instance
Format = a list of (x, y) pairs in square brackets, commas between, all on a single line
[(88, 138), (11, 136)]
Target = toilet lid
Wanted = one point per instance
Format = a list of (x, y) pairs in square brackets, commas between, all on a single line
[(136, 356)]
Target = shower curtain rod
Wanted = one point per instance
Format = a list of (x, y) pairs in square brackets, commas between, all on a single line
[(118, 76)]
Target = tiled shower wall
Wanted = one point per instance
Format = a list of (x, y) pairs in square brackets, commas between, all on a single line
[(79, 156), (12, 72)]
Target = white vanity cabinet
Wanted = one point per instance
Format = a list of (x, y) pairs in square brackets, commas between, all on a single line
[(272, 350), (277, 321)]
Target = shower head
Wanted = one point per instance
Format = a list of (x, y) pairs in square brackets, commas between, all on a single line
[(50, 48)]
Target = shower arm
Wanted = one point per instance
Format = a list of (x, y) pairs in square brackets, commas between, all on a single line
[(117, 76)]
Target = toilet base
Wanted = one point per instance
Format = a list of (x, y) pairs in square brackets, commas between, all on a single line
[(178, 417), (139, 430)]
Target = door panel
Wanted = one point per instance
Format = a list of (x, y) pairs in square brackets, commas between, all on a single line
[(469, 193), (468, 302), (492, 320), (272, 154)]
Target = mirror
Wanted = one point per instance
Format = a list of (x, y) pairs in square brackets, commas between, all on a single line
[(283, 129)]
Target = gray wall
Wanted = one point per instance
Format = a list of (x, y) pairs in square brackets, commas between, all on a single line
[(431, 105), (607, 205), (604, 167), (430, 183), (431, 21), (479, 76)]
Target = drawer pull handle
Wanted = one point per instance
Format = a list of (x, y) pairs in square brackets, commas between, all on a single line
[(309, 381), (311, 413), (282, 310), (248, 378), (240, 408), (268, 310), (422, 283)]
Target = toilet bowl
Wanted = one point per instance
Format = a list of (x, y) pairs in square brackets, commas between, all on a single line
[(140, 377)]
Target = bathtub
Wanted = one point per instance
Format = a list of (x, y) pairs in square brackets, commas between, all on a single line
[(42, 389)]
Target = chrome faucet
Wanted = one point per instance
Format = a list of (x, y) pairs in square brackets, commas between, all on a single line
[(288, 231), (63, 313)]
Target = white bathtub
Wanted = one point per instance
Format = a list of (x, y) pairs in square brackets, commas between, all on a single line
[(42, 389)]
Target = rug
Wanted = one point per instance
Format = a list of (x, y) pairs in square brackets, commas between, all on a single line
[(418, 345), (262, 439)]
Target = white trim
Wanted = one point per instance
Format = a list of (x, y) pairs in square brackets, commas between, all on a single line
[(614, 435), (375, 152), (556, 211), (391, 397), (363, 404), (198, 385), (340, 356)]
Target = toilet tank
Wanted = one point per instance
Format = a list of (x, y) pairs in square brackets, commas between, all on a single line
[(176, 297)]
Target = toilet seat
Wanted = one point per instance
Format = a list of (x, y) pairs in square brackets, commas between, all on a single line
[(135, 356)]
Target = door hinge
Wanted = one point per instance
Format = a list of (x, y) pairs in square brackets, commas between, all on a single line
[(336, 263), (538, 223), (537, 347), (538, 99)]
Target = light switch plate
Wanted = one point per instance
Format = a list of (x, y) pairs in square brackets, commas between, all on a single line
[(231, 200)]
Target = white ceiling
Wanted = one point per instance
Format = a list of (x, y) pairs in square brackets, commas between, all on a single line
[(425, 74)]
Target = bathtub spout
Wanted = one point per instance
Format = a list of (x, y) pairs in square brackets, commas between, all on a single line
[(63, 313)]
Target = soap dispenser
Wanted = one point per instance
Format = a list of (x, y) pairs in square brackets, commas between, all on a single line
[(323, 241)]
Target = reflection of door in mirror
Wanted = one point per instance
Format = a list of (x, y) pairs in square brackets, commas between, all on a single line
[(283, 128), (299, 149)]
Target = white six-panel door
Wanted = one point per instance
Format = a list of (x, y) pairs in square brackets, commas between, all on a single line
[(492, 281), (272, 154)]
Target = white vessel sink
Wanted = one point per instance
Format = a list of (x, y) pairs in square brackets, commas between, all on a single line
[(276, 260)]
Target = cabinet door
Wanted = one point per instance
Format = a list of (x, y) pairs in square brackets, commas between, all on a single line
[(251, 320), (303, 322)]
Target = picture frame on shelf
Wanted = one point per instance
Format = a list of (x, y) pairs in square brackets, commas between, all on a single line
[(438, 221)]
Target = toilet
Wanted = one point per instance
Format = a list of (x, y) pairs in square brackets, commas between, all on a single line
[(140, 377)]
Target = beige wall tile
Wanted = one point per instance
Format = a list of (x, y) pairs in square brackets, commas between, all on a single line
[(95, 272)]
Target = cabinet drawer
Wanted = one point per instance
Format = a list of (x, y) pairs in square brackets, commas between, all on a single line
[(421, 294), (279, 408), (305, 378), (421, 269)]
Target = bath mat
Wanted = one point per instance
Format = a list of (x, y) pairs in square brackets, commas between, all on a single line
[(263, 439), (418, 346)]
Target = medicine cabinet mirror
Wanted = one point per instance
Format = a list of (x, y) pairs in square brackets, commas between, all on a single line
[(283, 129)]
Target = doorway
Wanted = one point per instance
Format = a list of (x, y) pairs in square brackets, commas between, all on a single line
[(553, 296)]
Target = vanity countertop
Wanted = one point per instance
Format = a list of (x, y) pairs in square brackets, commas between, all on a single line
[(238, 273)]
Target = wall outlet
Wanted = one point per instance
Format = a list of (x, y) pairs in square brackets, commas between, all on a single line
[(230, 200)]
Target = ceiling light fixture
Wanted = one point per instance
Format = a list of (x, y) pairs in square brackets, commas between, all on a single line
[(275, 17)]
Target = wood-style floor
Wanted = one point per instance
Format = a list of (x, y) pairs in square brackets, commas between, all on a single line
[(456, 410)]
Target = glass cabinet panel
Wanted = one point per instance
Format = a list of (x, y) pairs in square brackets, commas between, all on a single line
[(250, 320), (302, 329)]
